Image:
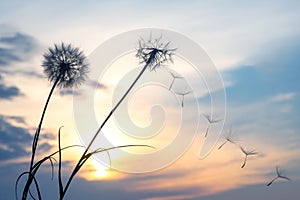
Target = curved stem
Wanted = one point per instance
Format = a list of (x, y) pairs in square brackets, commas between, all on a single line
[(83, 157), (35, 168), (116, 106), (38, 130), (36, 139)]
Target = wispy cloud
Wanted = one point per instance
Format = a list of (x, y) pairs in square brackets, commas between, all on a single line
[(14, 140), (15, 48), (283, 97), (96, 84), (66, 92), (8, 92)]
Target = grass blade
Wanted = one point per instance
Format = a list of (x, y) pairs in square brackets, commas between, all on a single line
[(61, 189)]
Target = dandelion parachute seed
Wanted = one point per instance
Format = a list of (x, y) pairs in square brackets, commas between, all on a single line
[(228, 138), (210, 121), (279, 175), (247, 153)]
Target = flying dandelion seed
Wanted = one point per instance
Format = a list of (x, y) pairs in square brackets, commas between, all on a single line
[(210, 121), (228, 138), (174, 76), (183, 95), (247, 153), (279, 175)]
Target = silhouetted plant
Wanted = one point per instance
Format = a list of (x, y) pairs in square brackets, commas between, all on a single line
[(66, 67), (152, 54)]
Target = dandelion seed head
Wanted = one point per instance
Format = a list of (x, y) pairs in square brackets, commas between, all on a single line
[(65, 64), (154, 52)]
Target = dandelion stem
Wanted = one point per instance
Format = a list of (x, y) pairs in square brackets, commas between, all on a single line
[(116, 106), (35, 142), (83, 157), (38, 130)]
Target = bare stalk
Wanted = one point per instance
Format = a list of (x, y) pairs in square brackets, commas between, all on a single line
[(83, 158), (35, 142)]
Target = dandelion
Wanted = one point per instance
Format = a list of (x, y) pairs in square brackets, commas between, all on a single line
[(279, 175), (247, 153), (153, 54), (210, 121), (228, 138), (66, 67)]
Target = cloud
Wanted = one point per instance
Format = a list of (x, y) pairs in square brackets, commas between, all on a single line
[(95, 84), (16, 53), (16, 48), (15, 140), (274, 70), (8, 92), (65, 92), (283, 97), (17, 119)]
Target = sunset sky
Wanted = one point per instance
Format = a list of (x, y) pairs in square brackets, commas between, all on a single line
[(249, 61)]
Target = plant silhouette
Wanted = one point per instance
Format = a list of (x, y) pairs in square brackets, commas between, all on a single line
[(279, 175), (66, 67), (152, 54)]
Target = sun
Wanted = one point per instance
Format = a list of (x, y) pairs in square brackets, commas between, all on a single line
[(100, 171), (95, 171)]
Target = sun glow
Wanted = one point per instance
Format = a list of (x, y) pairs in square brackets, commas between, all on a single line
[(97, 171), (101, 172)]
